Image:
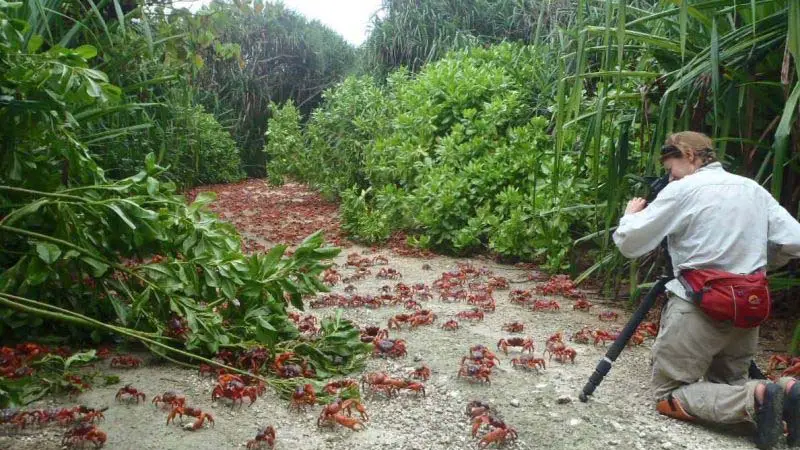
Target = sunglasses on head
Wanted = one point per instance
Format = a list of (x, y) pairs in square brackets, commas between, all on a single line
[(670, 151)]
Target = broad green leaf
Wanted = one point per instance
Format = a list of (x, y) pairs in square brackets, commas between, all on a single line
[(80, 358), (37, 272), (150, 163), (121, 215), (99, 268), (198, 61), (35, 43), (48, 252), (86, 51), (152, 186)]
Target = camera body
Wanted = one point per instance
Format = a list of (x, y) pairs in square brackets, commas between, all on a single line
[(656, 184)]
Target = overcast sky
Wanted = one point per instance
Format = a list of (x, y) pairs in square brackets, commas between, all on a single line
[(350, 18)]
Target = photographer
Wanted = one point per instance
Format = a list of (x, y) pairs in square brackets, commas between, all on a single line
[(718, 228)]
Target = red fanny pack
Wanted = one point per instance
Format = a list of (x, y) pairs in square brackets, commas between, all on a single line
[(741, 299)]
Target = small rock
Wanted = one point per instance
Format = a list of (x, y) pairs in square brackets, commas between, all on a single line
[(455, 394), (564, 399), (417, 357), (515, 402), (666, 444), (616, 426), (573, 422), (613, 442)]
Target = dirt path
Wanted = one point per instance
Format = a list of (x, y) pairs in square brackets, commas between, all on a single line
[(543, 407)]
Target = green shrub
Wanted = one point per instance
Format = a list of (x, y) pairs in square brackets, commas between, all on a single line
[(197, 149), (339, 133), (459, 155), (284, 143)]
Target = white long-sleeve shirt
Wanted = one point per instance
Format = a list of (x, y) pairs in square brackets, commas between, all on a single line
[(712, 219)]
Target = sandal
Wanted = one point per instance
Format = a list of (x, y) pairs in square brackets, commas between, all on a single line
[(791, 415), (769, 418)]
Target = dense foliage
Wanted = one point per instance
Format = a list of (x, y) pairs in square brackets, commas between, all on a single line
[(411, 33), (86, 256), (280, 56), (188, 140), (458, 154), (606, 80)]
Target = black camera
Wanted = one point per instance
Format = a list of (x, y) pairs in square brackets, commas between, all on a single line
[(656, 184)]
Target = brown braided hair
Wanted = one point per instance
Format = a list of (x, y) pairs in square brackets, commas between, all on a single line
[(689, 144)]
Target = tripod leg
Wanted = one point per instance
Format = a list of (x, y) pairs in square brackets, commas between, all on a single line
[(616, 348)]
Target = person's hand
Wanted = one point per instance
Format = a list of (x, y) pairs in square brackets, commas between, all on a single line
[(635, 205)]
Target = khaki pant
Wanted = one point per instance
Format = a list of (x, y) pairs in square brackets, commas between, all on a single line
[(691, 347)]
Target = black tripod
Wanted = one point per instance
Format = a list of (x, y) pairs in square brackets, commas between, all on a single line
[(660, 286)]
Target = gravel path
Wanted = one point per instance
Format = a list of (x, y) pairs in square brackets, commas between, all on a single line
[(542, 407)]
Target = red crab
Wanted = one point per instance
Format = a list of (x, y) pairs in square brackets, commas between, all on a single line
[(191, 412), (177, 327), (540, 305), (388, 272), (520, 296), (480, 354), (498, 283), (450, 325), (474, 314), (125, 361), (332, 413), (84, 432), (130, 392), (583, 336), (528, 362), (265, 436), (563, 354), (232, 387), (477, 408), (170, 398), (333, 387), (291, 370), (477, 372), (393, 348), (304, 395), (526, 343), (514, 327), (498, 435), (423, 373), (331, 277), (371, 333), (583, 305), (601, 336), (648, 328), (608, 316)]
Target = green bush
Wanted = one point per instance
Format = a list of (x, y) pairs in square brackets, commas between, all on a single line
[(197, 149), (342, 130), (459, 155), (284, 143)]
